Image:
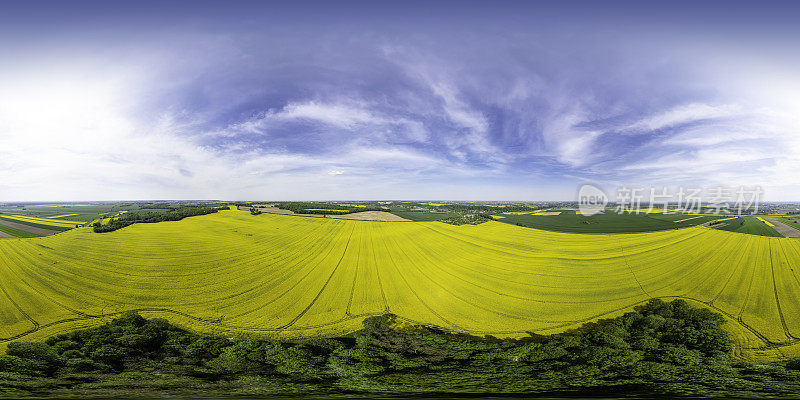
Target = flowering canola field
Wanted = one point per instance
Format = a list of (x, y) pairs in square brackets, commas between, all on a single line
[(42, 221), (234, 273)]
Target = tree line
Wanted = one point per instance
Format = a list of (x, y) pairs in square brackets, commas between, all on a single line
[(323, 208), (662, 349), (147, 217)]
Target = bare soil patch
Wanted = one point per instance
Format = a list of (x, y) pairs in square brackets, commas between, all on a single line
[(372, 216), (28, 228), (783, 229), (552, 213), (4, 235)]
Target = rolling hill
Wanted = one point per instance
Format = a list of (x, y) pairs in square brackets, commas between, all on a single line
[(239, 274)]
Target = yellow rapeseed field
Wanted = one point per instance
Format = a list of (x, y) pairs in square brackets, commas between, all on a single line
[(765, 221), (42, 221), (234, 273), (62, 216)]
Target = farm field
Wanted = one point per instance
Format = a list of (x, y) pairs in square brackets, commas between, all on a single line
[(607, 222), (50, 223), (423, 215), (13, 231), (372, 216), (19, 226), (77, 213), (240, 274), (794, 222), (72, 214), (750, 225)]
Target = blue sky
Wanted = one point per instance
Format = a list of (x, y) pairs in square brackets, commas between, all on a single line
[(405, 100)]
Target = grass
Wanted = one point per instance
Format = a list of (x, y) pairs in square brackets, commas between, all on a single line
[(791, 221), (236, 274), (607, 222), (17, 232), (423, 215), (750, 225)]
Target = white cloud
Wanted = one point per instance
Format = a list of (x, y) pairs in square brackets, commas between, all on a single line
[(681, 115), (332, 114), (471, 136), (339, 118), (570, 145)]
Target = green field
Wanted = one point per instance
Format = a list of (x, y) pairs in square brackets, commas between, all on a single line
[(607, 222), (234, 273), (791, 221), (748, 224), (16, 232), (38, 223), (423, 215), (84, 212)]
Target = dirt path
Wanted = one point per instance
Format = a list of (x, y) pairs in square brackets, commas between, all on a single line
[(28, 228), (783, 229), (699, 216)]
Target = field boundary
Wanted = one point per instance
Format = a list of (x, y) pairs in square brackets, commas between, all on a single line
[(786, 230), (768, 344)]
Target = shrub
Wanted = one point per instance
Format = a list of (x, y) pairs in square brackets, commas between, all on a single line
[(110, 354), (83, 365), (65, 345), (69, 354), (12, 364), (34, 351)]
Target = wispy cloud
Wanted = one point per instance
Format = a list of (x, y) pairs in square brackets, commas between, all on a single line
[(491, 108), (683, 114)]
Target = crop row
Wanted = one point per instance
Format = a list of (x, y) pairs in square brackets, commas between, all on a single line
[(290, 275)]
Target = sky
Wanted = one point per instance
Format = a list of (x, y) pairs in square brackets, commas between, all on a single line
[(469, 100)]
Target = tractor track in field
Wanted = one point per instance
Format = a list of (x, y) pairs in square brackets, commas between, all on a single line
[(23, 313), (747, 297), (355, 279), (435, 256), (261, 306), (346, 246), (43, 295), (768, 344), (414, 292), (730, 278), (378, 274), (550, 258), (796, 279), (625, 260), (466, 301), (288, 328), (777, 297), (709, 276)]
